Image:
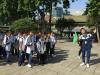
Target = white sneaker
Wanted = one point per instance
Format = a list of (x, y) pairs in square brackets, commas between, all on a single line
[(87, 65), (29, 66), (82, 64)]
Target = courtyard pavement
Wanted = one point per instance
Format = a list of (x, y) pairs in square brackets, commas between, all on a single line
[(64, 63)]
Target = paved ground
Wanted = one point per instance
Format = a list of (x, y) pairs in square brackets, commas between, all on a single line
[(65, 63)]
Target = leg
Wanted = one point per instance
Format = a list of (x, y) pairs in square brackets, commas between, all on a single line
[(20, 60), (80, 51), (88, 55), (83, 55), (12, 50), (23, 57), (8, 56), (30, 59), (53, 49)]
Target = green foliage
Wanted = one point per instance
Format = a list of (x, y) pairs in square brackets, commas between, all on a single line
[(93, 11), (62, 23), (23, 24)]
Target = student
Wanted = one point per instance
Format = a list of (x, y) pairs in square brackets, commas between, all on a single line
[(86, 46), (12, 44), (7, 42), (48, 44), (80, 43), (29, 49), (52, 44), (21, 57), (41, 46)]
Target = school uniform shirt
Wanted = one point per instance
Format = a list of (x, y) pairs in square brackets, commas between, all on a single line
[(30, 45), (41, 46), (86, 41), (52, 40), (21, 44), (7, 42), (12, 39), (34, 38)]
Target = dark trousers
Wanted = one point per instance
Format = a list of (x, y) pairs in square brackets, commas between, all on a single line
[(8, 56), (2, 52), (48, 48), (52, 50), (12, 49), (88, 52), (80, 51), (29, 58), (42, 58), (21, 58)]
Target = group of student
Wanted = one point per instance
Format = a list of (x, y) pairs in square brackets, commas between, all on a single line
[(26, 44), (85, 42)]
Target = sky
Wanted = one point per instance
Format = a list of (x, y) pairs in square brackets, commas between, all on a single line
[(77, 7)]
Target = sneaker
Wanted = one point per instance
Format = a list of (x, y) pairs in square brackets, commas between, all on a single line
[(87, 65), (29, 66), (82, 64)]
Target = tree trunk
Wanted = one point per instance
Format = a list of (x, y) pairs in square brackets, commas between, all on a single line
[(50, 18)]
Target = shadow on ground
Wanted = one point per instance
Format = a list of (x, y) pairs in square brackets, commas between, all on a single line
[(95, 61), (60, 56)]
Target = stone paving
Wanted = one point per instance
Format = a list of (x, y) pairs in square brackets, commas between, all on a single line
[(65, 63)]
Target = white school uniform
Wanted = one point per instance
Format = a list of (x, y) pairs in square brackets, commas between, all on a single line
[(52, 40), (5, 41), (21, 44), (41, 46), (31, 43)]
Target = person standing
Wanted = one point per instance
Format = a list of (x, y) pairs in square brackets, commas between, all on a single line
[(29, 49), (7, 43), (86, 46), (48, 44), (21, 56), (52, 44), (41, 47)]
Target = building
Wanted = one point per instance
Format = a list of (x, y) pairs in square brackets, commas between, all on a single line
[(57, 12)]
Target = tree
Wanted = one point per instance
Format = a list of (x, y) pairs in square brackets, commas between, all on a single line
[(11, 10), (24, 24), (62, 24), (47, 7), (93, 12)]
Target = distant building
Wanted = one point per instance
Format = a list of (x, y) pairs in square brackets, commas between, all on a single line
[(57, 12)]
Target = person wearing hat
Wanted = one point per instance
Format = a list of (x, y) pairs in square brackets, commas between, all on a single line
[(86, 46)]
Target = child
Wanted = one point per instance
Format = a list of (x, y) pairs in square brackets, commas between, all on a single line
[(52, 44), (7, 43), (21, 50), (41, 46), (85, 46), (29, 49)]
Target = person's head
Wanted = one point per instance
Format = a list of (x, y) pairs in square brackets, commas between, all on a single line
[(42, 38), (30, 33), (8, 33), (83, 31)]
